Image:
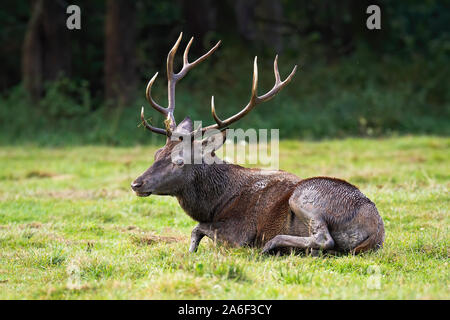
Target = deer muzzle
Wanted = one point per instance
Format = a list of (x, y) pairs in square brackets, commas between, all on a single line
[(136, 186)]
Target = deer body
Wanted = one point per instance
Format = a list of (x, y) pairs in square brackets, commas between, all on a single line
[(246, 206), (253, 207)]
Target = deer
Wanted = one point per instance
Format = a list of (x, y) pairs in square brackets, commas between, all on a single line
[(272, 210)]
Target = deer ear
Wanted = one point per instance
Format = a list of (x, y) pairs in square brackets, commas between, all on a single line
[(185, 127)]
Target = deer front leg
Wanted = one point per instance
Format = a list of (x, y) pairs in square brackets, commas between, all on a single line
[(196, 237), (197, 234), (230, 232)]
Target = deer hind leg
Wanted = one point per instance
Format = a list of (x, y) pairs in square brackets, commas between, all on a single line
[(319, 238), (322, 240)]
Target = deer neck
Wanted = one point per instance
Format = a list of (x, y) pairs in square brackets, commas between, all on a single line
[(209, 187)]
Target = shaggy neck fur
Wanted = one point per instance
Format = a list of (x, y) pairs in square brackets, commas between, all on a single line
[(210, 187)]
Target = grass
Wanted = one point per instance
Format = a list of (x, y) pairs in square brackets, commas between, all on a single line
[(70, 228)]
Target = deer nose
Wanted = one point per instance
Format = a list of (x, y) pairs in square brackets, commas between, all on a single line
[(136, 185)]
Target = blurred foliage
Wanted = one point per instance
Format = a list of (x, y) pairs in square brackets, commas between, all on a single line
[(351, 81)]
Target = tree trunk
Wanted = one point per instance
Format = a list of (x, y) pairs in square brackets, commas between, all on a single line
[(260, 22), (200, 18), (46, 51), (120, 57), (245, 18), (271, 32)]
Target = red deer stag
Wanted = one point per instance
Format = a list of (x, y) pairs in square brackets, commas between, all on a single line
[(252, 207)]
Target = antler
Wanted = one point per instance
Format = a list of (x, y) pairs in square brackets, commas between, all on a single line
[(254, 99), (172, 79)]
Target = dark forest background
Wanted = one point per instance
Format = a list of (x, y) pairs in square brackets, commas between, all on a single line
[(60, 86)]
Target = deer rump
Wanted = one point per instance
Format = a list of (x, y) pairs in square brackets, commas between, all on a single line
[(252, 207)]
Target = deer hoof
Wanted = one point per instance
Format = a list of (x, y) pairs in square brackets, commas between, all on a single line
[(268, 247), (193, 249)]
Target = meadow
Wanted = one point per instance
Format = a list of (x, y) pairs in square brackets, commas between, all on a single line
[(71, 228)]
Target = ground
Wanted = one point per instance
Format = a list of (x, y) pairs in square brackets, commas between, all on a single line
[(70, 228)]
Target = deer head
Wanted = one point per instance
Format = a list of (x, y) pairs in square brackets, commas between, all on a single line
[(170, 172)]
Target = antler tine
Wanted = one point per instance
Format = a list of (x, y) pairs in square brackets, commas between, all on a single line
[(278, 83), (171, 56), (189, 65), (186, 52), (275, 70), (213, 111), (148, 94), (254, 95), (149, 126), (254, 98)]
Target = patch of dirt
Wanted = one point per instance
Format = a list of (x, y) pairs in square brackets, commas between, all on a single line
[(31, 225), (410, 158), (83, 194), (62, 177), (150, 239), (132, 228), (40, 174)]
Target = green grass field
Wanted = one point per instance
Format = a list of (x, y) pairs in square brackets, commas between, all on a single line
[(70, 228)]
